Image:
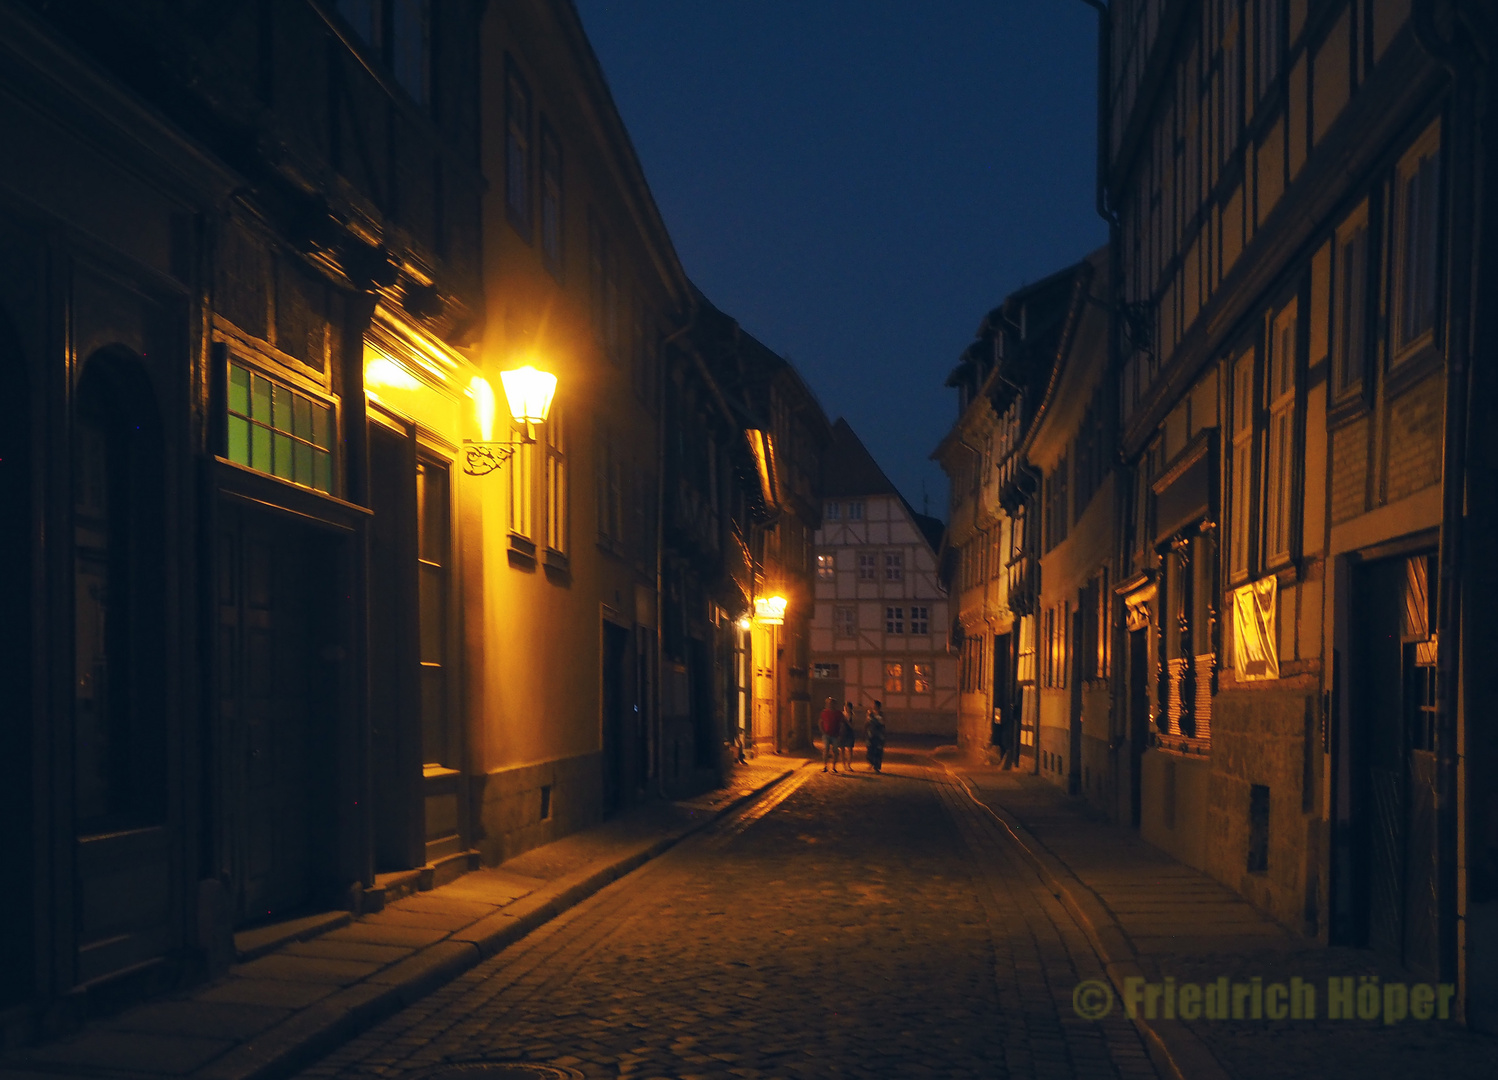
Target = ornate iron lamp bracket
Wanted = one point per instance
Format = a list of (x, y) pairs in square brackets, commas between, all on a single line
[(483, 458)]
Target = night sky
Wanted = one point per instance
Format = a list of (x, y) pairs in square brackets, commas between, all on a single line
[(859, 181)]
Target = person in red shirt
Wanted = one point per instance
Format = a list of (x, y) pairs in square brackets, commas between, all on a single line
[(831, 722)]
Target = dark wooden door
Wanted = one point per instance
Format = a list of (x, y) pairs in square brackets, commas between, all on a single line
[(1002, 730), (279, 614), (1392, 707), (1139, 717), (394, 693), (615, 642)]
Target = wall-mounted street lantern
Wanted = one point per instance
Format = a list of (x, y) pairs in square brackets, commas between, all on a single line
[(769, 610), (528, 394)]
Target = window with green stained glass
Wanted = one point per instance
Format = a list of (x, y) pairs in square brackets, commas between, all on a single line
[(276, 429)]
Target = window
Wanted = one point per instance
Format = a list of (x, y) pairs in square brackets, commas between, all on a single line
[(409, 46), (1056, 505), (826, 671), (920, 622), (894, 677), (1055, 657), (434, 545), (855, 511), (1242, 412), (522, 474), (603, 288), (280, 431), (920, 679), (894, 566), (1350, 303), (867, 566), (403, 43), (834, 511), (1267, 41), (551, 200), (826, 567), (609, 488), (556, 482), (518, 151), (1279, 464), (894, 620), (845, 621), (1416, 233)]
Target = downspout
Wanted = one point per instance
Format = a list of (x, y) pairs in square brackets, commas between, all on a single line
[(658, 745), (1460, 254)]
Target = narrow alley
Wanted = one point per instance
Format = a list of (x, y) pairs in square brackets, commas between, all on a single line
[(841, 926)]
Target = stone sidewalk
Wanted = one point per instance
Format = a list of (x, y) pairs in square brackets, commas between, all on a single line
[(297, 999), (1150, 917)]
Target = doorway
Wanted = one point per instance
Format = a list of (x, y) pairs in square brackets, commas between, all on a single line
[(1391, 720), (615, 645), (279, 642), (1139, 718), (394, 697), (1003, 726)]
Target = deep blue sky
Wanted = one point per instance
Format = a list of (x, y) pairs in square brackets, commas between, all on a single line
[(859, 181)]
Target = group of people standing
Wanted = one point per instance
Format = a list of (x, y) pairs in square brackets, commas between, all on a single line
[(838, 735)]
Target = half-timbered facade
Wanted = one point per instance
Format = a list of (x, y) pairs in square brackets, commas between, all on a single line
[(879, 632)]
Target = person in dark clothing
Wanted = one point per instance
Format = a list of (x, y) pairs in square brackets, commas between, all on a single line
[(831, 722), (845, 735), (873, 736)]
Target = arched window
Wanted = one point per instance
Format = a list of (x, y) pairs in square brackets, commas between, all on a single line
[(119, 744)]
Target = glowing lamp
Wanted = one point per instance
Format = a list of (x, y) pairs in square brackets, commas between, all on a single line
[(744, 623), (529, 393), (770, 610)]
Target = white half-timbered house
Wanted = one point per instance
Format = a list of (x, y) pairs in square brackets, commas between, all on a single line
[(879, 630)]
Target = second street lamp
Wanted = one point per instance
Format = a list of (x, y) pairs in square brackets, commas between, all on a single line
[(528, 393)]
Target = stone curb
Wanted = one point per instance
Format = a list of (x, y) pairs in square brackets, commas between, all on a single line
[(320, 1028), (1174, 1049)]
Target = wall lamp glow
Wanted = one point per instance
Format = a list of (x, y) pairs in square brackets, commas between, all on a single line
[(770, 610), (528, 394)]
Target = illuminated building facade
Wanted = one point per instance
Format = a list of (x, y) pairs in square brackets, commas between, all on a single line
[(880, 628)]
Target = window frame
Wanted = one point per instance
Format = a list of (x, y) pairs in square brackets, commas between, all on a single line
[(552, 191), (1281, 412), (236, 356), (1405, 345), (894, 567), (894, 620), (558, 478), (845, 622), (1353, 302), (519, 209), (894, 676)]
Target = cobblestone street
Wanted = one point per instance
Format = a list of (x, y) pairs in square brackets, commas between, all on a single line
[(835, 928)]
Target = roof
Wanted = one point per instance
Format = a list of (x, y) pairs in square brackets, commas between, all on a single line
[(849, 468), (933, 529)]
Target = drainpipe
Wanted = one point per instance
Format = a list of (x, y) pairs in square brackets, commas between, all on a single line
[(1463, 208), (658, 749)]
